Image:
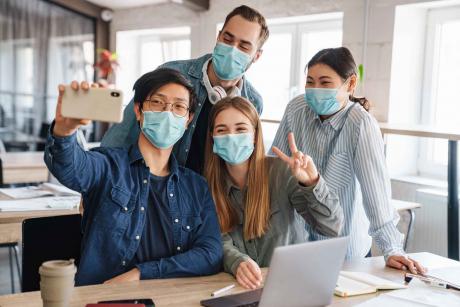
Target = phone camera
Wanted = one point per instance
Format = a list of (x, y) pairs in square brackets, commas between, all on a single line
[(115, 94)]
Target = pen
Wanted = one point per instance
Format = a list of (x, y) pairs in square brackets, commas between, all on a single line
[(220, 291)]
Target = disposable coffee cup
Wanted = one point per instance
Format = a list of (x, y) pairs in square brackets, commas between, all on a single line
[(57, 280)]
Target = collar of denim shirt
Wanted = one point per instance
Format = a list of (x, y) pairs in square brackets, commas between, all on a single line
[(135, 155)]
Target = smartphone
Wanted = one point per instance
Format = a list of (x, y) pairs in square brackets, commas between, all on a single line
[(100, 104), (146, 301)]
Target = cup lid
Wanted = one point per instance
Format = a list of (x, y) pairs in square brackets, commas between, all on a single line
[(57, 267)]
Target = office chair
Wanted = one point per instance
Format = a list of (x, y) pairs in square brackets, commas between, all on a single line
[(12, 249), (1, 173), (2, 147), (48, 238), (12, 246), (42, 134)]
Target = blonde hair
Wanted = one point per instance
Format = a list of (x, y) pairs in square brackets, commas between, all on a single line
[(257, 206)]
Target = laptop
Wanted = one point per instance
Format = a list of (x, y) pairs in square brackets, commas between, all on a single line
[(299, 275)]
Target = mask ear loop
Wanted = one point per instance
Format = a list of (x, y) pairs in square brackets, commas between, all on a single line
[(252, 60), (345, 82)]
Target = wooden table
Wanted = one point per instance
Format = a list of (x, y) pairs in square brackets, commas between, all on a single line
[(11, 227), (11, 222), (189, 291), (23, 167)]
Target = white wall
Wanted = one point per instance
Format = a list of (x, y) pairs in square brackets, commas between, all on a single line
[(379, 45)]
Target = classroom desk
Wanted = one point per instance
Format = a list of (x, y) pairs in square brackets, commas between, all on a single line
[(11, 222), (189, 291), (10, 233), (23, 167)]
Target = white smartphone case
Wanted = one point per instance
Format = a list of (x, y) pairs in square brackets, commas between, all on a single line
[(100, 104)]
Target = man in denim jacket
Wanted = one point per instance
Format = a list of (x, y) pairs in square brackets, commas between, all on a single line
[(145, 216), (238, 45)]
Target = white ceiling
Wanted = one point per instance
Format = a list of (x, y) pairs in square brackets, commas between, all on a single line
[(123, 4)]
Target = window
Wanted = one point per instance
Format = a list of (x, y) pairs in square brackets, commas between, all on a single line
[(142, 51), (41, 45), (69, 58), (441, 79), (279, 75), (17, 56)]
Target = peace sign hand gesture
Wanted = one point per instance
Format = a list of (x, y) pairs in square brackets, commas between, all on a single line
[(302, 166)]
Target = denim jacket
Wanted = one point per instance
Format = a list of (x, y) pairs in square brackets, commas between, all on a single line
[(114, 183), (126, 133)]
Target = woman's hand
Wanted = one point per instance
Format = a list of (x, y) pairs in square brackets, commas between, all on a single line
[(302, 166), (65, 126), (132, 275), (248, 274), (405, 263)]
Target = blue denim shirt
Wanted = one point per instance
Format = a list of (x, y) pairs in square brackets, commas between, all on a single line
[(114, 183), (126, 133)]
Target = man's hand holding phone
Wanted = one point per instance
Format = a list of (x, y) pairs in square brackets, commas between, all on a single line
[(65, 126)]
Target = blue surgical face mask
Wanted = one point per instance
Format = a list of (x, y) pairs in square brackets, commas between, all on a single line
[(229, 63), (323, 101), (163, 129), (234, 148)]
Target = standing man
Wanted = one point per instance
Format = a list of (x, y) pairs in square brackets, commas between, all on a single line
[(213, 76)]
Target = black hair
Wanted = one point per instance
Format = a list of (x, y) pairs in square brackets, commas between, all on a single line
[(342, 62), (149, 83)]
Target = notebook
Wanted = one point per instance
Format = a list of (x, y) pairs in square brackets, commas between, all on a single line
[(450, 275), (358, 283)]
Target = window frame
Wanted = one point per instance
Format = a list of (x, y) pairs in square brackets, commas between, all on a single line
[(163, 37), (128, 74), (310, 23), (297, 27), (426, 166)]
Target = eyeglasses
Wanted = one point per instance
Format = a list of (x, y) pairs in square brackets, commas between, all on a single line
[(179, 109)]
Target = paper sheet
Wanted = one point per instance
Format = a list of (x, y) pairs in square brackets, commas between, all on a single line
[(45, 189), (43, 203), (418, 295), (59, 190), (25, 192)]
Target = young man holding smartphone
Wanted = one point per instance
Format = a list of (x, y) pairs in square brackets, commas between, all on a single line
[(213, 76), (145, 216)]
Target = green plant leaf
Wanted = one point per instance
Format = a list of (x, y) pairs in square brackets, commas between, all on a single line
[(361, 72)]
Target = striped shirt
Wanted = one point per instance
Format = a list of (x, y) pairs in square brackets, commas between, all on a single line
[(347, 149)]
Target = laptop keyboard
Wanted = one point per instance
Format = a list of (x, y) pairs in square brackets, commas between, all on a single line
[(250, 305)]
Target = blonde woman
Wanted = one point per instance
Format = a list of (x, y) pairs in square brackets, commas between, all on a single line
[(262, 202)]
